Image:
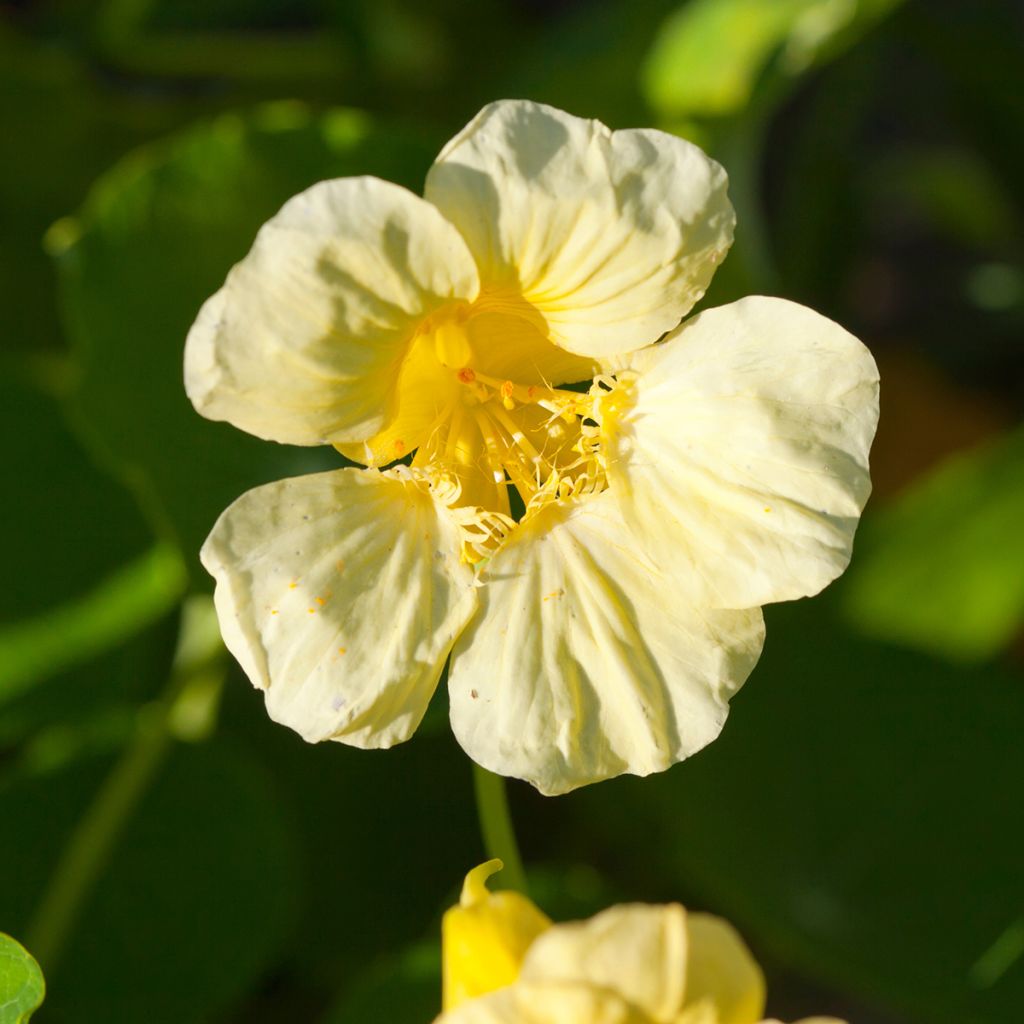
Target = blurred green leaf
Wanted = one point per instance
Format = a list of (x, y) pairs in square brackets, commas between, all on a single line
[(859, 820), (941, 568), (73, 522), (156, 237), (91, 704), (118, 607), (196, 902), (709, 55), (401, 989), (21, 983), (386, 837)]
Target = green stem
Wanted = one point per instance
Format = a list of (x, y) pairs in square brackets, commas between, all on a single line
[(496, 826), (97, 832), (195, 671)]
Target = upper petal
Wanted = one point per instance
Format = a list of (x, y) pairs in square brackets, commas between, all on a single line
[(612, 236), (588, 660), (341, 594), (303, 342), (637, 951), (741, 456)]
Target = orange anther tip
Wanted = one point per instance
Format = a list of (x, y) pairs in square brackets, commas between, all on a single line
[(507, 388), (466, 375)]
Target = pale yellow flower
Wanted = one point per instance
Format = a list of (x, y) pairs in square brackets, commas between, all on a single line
[(505, 963), (604, 629)]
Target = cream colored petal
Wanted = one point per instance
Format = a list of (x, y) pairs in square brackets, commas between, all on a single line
[(303, 342), (612, 236), (340, 594), (741, 460), (635, 950), (546, 1003), (587, 660), (724, 984)]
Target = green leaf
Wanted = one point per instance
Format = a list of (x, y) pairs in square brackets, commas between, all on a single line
[(402, 989), (156, 237), (21, 982), (74, 523), (858, 820), (940, 569), (119, 606), (198, 898), (709, 55)]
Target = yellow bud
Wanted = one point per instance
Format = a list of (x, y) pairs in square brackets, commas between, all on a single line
[(485, 938)]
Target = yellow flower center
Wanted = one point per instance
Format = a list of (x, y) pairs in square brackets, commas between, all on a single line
[(478, 401)]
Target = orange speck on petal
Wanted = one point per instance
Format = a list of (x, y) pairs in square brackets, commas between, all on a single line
[(320, 601), (273, 611), (341, 650), (292, 585), (312, 611)]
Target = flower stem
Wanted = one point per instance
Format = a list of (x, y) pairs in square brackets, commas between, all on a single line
[(496, 826)]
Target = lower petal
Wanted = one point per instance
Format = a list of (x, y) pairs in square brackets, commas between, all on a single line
[(341, 595), (588, 660)]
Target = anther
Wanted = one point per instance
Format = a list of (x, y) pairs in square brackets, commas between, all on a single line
[(507, 390), (466, 375)]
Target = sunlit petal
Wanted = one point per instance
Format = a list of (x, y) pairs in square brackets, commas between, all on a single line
[(724, 984), (303, 343), (546, 1003), (340, 594), (634, 950), (741, 456), (611, 236), (588, 660)]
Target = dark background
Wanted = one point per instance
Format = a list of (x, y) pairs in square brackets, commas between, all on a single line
[(172, 856)]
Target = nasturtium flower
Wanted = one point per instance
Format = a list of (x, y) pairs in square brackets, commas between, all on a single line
[(578, 499), (631, 964)]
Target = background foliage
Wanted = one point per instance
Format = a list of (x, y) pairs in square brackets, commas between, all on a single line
[(170, 855)]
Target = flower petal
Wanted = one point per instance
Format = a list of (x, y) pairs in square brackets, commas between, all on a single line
[(303, 342), (545, 1003), (588, 660), (612, 236), (341, 594), (741, 458), (724, 984), (635, 950)]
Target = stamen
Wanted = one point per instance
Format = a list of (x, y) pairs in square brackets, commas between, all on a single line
[(513, 431)]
